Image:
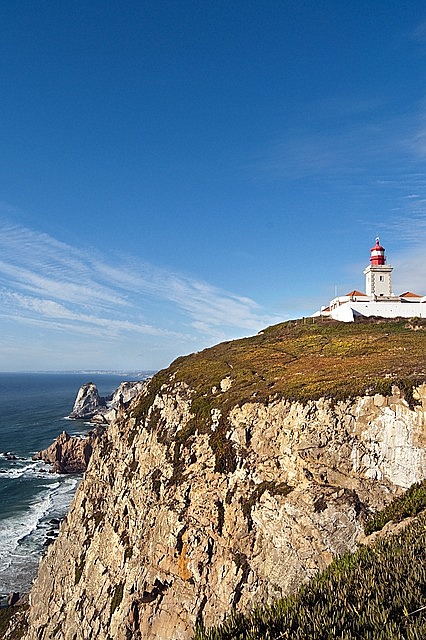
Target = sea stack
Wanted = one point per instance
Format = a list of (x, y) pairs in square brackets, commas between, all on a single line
[(87, 403)]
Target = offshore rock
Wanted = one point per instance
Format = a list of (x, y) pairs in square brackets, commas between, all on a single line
[(87, 403), (119, 400), (174, 524), (70, 454)]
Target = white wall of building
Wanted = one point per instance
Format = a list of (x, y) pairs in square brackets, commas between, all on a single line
[(346, 311)]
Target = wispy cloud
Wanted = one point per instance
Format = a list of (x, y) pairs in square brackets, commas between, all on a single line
[(53, 285), (351, 149), (43, 311), (419, 32), (351, 139)]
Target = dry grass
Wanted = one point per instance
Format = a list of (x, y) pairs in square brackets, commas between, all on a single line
[(302, 360), (297, 360)]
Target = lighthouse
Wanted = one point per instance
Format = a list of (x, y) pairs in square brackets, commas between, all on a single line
[(378, 275), (379, 300)]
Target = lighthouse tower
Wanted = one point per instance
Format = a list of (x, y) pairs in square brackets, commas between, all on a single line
[(378, 275)]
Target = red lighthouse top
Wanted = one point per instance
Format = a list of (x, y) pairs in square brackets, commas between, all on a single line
[(377, 254)]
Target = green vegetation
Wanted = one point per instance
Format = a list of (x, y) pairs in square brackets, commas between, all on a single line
[(373, 594), (410, 504), (302, 360)]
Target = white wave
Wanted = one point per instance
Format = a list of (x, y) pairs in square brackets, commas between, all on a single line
[(16, 528), (24, 534), (25, 469)]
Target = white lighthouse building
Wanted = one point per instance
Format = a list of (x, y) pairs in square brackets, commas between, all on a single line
[(378, 275), (378, 299)]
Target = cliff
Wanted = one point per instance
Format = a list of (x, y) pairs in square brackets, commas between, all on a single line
[(233, 477)]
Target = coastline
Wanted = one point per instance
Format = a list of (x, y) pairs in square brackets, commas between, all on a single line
[(33, 410)]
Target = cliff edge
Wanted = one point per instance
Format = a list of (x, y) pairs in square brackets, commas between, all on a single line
[(234, 476)]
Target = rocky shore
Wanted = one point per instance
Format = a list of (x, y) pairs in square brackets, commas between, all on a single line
[(71, 454)]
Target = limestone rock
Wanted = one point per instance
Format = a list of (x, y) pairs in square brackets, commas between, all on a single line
[(70, 454), (172, 525), (87, 403)]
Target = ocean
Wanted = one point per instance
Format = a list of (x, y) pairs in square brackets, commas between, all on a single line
[(33, 410)]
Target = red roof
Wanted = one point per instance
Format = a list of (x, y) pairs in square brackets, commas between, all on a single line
[(355, 293), (410, 294)]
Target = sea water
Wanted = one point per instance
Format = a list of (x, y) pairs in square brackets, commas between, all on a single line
[(33, 412)]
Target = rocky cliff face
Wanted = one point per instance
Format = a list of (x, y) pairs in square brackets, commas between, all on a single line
[(175, 522)]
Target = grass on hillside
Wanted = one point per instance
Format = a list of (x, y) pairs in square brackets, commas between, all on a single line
[(410, 504), (304, 360), (376, 593)]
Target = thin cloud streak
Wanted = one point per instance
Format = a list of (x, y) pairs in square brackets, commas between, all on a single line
[(195, 297), (48, 309), (348, 147), (49, 282)]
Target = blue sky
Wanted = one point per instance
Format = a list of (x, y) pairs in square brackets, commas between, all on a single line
[(174, 174)]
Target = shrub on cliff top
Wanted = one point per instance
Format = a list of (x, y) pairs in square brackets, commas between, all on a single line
[(304, 360), (409, 504)]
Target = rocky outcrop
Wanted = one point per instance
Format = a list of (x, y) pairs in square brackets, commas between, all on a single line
[(177, 523), (69, 454), (119, 400), (87, 403)]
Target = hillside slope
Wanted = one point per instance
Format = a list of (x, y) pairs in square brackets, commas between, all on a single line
[(237, 474), (375, 593)]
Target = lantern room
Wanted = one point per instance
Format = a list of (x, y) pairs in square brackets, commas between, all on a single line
[(377, 254)]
